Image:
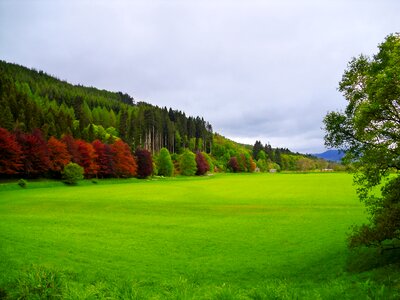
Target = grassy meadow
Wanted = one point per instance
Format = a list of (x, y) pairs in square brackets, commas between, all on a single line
[(226, 236)]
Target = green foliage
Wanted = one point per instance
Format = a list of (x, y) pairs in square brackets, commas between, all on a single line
[(187, 163), (209, 161), (22, 183), (164, 163), (72, 173), (369, 131)]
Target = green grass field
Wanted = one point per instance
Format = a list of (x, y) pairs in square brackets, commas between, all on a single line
[(248, 236)]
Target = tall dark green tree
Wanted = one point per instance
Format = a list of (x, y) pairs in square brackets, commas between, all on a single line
[(258, 146)]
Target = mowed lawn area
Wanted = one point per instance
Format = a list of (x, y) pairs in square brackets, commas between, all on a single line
[(226, 236)]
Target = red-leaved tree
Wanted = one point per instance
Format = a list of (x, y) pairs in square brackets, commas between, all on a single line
[(88, 158), (105, 159), (10, 153), (202, 164), (58, 155), (144, 163), (35, 153), (124, 163), (233, 164), (72, 148)]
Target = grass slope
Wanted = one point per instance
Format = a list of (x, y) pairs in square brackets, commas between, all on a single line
[(225, 236)]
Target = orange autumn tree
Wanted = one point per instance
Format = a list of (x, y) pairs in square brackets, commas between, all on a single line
[(124, 163), (58, 155), (105, 159), (88, 158)]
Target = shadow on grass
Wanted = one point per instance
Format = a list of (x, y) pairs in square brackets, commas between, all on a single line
[(364, 259)]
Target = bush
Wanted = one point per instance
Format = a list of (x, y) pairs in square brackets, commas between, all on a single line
[(187, 163), (72, 173), (22, 183)]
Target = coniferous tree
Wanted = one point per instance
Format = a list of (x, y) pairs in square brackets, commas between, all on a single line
[(258, 146)]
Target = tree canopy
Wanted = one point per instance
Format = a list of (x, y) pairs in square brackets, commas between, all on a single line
[(368, 130)]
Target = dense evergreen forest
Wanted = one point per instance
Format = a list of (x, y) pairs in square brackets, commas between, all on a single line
[(47, 123)]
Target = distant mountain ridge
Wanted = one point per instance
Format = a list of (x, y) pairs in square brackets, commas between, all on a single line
[(331, 155)]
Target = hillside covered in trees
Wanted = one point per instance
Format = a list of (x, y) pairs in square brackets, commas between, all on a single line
[(47, 123)]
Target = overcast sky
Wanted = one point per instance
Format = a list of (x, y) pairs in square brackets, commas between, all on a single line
[(256, 70)]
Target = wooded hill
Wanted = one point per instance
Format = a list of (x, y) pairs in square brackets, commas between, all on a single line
[(31, 99)]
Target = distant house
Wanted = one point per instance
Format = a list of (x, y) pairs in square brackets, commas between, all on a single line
[(272, 170), (327, 170)]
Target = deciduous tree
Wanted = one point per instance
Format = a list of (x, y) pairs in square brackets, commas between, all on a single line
[(187, 163), (88, 158), (124, 163), (144, 163), (10, 153), (164, 163), (202, 164), (369, 133), (58, 155)]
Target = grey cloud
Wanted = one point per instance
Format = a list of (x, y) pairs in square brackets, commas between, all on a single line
[(255, 69)]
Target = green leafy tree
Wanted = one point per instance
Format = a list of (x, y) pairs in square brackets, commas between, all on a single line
[(369, 133), (164, 163), (72, 173), (187, 163)]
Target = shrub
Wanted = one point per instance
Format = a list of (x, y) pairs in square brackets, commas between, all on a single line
[(72, 173), (165, 165), (22, 183), (187, 163)]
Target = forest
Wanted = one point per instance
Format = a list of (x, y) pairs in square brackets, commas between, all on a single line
[(47, 123)]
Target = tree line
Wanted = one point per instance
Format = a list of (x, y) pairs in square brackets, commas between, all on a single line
[(30, 155)]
